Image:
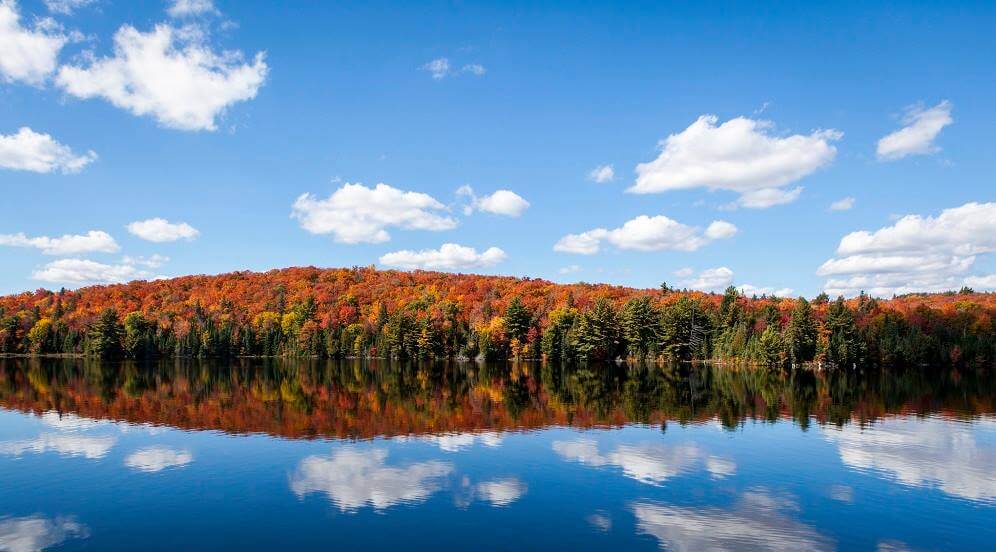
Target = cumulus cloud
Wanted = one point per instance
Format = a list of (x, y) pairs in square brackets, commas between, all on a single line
[(153, 261), (741, 155), (602, 174), (570, 269), (66, 7), (357, 214), (923, 453), (501, 492), (916, 254), (647, 463), (94, 241), (757, 522), (711, 279), (191, 8), (645, 233), (64, 444), (160, 230), (501, 202), (449, 256), (156, 459), (85, 271), (353, 479), (748, 289), (168, 74), (28, 150), (842, 204), (439, 68), (29, 54), (922, 125), (36, 533)]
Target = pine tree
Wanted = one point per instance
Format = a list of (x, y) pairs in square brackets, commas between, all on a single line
[(518, 320), (104, 336), (801, 333)]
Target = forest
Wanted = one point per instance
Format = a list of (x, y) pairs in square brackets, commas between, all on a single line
[(363, 312)]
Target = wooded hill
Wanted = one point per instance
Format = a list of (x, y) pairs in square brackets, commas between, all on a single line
[(368, 312)]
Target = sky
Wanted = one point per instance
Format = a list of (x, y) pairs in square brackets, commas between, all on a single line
[(783, 149)]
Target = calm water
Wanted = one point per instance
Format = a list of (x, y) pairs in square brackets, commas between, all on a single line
[(260, 455)]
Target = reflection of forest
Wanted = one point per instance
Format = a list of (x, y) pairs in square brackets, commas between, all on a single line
[(363, 399)]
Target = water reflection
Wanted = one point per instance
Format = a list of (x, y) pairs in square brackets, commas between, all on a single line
[(759, 521), (458, 405), (353, 478), (33, 533), (929, 452), (66, 445), (157, 458), (647, 463)]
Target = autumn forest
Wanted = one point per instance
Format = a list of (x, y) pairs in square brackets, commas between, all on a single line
[(364, 312)]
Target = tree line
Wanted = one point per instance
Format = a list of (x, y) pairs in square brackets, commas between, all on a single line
[(500, 319)]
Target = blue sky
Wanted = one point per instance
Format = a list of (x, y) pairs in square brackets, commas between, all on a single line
[(217, 117)]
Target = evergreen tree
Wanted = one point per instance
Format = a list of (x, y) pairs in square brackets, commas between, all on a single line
[(801, 333), (640, 324), (518, 320), (104, 335), (844, 346)]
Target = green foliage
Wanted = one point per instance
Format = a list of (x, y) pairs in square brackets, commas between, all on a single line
[(801, 333), (104, 336)]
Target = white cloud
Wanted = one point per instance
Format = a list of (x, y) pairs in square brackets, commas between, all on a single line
[(475, 69), (94, 241), (647, 463), (168, 74), (937, 453), (154, 261), (916, 254), (644, 233), (602, 174), (842, 204), (917, 136), (501, 202), (740, 155), (85, 271), (767, 197), (748, 289), (570, 269), (711, 279), (66, 7), (980, 283), (27, 55), (759, 523), (501, 492), (28, 150), (357, 214), (449, 256), (720, 230), (439, 68), (190, 8), (160, 230), (36, 533), (353, 479), (684, 272), (66, 445), (156, 459)]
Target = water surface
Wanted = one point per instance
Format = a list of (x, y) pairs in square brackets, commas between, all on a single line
[(306, 454)]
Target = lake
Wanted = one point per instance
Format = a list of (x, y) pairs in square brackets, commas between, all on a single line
[(299, 454)]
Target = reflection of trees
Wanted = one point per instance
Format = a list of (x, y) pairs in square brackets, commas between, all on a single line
[(366, 398)]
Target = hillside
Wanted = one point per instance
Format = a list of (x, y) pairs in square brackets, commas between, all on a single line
[(367, 312)]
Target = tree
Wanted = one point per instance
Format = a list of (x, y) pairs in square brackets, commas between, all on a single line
[(597, 334), (684, 329), (40, 336), (801, 333), (844, 346), (640, 325), (104, 336), (518, 320)]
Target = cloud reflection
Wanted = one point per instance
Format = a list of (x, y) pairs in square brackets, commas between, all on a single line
[(648, 463), (760, 521), (67, 445), (156, 459), (455, 442), (930, 452), (34, 533), (501, 492), (355, 478)]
